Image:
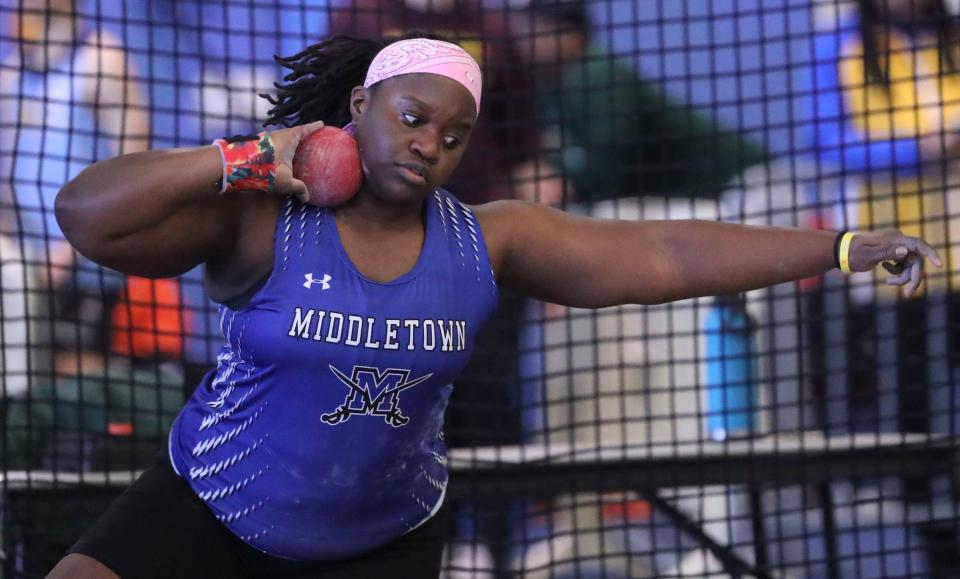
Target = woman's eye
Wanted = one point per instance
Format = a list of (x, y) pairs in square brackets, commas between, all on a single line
[(410, 119)]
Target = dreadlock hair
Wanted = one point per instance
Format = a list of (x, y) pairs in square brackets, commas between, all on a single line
[(874, 28), (321, 77)]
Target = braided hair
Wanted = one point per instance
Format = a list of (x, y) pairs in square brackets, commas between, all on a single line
[(321, 77)]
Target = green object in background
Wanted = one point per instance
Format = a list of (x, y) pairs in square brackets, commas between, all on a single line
[(122, 402), (613, 134)]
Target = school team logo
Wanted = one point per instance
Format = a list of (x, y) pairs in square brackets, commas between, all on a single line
[(373, 393)]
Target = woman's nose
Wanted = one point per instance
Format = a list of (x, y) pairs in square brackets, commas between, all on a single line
[(426, 147)]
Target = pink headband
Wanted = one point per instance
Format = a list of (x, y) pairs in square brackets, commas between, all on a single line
[(425, 55)]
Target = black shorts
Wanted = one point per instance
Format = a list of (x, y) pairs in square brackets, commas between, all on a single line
[(159, 528)]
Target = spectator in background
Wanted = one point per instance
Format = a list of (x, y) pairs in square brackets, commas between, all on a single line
[(69, 96), (886, 109), (885, 101), (610, 133), (95, 411), (92, 413)]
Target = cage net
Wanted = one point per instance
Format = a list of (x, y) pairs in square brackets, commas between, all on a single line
[(806, 430)]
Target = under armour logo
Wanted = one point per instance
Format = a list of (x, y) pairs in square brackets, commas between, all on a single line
[(373, 392), (325, 282)]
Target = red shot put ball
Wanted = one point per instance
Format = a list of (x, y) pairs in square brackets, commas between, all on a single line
[(328, 162)]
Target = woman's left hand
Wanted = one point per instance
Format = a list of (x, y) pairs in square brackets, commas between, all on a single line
[(902, 256)]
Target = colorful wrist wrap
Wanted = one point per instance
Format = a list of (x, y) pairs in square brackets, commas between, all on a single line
[(249, 163)]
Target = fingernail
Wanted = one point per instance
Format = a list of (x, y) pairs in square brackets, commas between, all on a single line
[(902, 251)]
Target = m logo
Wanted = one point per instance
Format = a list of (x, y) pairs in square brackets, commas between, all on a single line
[(325, 282), (373, 393)]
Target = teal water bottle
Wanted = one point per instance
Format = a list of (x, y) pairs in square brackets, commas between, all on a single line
[(731, 369)]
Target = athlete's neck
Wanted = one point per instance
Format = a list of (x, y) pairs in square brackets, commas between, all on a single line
[(367, 211)]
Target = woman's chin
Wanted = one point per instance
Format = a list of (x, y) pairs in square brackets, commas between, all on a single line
[(400, 192)]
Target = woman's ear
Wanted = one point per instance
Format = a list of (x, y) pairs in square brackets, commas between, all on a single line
[(359, 99)]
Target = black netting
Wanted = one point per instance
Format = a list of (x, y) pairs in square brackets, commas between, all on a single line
[(804, 430)]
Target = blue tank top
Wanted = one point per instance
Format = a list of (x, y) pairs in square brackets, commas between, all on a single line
[(319, 434)]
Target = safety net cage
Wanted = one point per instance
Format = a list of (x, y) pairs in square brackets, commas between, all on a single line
[(805, 430)]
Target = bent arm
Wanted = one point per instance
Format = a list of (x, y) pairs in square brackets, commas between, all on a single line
[(153, 213), (584, 262), (159, 213)]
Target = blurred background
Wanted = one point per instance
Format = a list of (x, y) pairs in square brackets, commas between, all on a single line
[(807, 430)]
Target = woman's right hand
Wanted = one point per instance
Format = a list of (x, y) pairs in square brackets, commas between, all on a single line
[(285, 143)]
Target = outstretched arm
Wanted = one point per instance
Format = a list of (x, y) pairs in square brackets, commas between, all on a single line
[(586, 262), (154, 213)]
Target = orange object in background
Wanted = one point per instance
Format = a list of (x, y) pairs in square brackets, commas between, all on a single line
[(120, 428), (149, 320), (624, 508)]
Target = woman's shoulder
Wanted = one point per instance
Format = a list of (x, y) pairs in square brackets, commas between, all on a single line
[(496, 214), (501, 220)]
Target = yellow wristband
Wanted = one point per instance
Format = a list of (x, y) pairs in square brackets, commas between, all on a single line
[(844, 253)]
